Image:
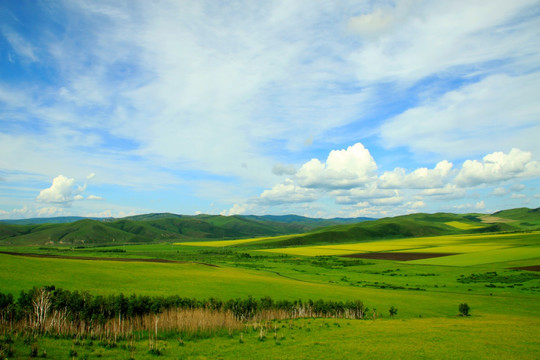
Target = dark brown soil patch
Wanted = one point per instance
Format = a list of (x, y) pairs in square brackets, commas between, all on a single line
[(528, 268), (397, 256), (94, 258)]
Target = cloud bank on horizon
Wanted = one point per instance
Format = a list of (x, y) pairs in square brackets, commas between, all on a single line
[(350, 108)]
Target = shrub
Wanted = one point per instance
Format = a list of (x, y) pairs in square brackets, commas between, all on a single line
[(464, 309), (392, 311)]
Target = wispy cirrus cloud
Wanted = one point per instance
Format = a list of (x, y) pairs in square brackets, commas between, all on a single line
[(202, 100)]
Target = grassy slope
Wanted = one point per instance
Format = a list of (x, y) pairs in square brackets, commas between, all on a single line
[(170, 227), (148, 229), (387, 228), (408, 226), (477, 337)]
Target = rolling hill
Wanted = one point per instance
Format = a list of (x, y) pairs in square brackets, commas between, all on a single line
[(145, 229), (304, 231), (414, 225)]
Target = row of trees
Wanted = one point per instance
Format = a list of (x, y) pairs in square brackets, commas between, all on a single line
[(83, 306)]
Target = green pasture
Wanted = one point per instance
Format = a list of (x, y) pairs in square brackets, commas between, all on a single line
[(504, 301), (475, 337), (416, 289)]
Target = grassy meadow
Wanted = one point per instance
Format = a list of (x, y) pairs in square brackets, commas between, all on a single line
[(479, 269)]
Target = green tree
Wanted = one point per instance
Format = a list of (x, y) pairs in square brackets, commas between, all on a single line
[(464, 309)]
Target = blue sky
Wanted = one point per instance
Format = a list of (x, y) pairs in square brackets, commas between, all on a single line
[(317, 108)]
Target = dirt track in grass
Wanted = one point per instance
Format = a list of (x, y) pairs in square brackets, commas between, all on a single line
[(528, 268), (397, 256), (94, 258)]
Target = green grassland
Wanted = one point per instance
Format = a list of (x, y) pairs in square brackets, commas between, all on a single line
[(481, 272), (493, 337)]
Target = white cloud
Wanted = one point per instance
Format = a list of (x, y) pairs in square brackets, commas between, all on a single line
[(63, 191), (519, 196), (415, 204), (94, 197), (500, 191), (393, 200), (60, 192), (288, 192), (367, 193), (49, 211), (421, 178), (372, 25), (480, 205), (416, 39), (237, 209), (497, 112), (344, 169), (19, 44), (497, 167), (449, 191)]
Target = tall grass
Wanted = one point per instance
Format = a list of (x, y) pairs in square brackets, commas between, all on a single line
[(190, 322), (44, 311)]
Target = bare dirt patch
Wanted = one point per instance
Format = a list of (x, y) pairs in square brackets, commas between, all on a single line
[(397, 256), (528, 268), (94, 258)]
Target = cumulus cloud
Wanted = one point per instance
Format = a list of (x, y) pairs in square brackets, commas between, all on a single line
[(344, 169), (421, 178), (392, 200), (480, 205), (497, 167), (60, 192), (237, 209), (449, 191), (49, 211), (358, 195), (30, 212), (288, 192), (64, 191), (415, 204)]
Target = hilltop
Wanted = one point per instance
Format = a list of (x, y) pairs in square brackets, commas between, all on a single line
[(156, 227), (167, 227)]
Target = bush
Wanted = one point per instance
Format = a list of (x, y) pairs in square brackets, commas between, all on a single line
[(392, 311), (464, 309)]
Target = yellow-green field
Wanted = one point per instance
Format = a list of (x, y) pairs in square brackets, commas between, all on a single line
[(470, 249), (462, 225), (223, 243)]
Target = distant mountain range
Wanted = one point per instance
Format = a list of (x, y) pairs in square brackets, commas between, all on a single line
[(168, 227)]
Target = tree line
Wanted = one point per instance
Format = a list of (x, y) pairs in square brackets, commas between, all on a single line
[(83, 306)]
